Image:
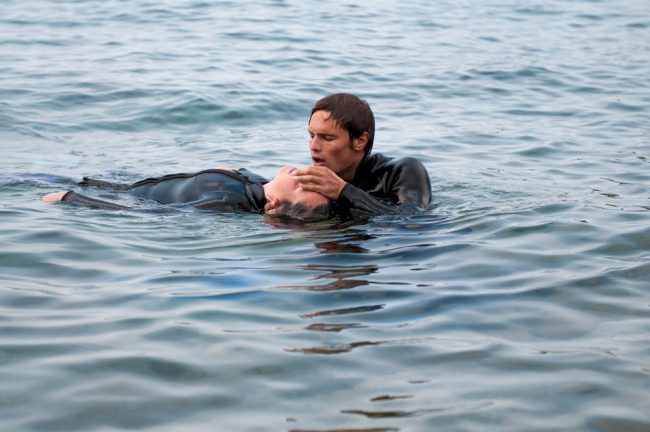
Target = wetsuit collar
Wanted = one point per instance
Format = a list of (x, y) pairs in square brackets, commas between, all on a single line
[(364, 169), (256, 197)]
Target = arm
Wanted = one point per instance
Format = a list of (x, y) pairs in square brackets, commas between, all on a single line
[(399, 186), (358, 200), (71, 196)]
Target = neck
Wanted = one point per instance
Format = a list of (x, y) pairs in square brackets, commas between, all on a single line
[(348, 174), (267, 188)]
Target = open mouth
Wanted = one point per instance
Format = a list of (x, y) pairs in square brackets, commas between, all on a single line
[(318, 161)]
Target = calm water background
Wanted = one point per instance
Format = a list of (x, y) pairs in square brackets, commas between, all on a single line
[(521, 302)]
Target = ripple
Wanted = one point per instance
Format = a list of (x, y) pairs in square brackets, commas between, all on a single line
[(523, 291), (371, 429), (420, 412)]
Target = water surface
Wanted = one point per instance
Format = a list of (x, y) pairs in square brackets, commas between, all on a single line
[(519, 302)]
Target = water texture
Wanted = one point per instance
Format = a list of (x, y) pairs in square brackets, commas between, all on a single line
[(519, 302)]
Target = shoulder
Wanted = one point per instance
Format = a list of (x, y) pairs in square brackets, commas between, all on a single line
[(377, 159), (372, 164), (409, 173), (377, 165), (407, 161), (410, 164), (251, 176)]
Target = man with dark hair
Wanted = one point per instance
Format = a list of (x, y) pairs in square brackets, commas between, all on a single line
[(220, 190), (342, 131)]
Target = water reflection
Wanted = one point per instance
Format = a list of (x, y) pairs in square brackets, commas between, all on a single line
[(322, 327), (381, 429), (418, 412), (346, 239), (317, 327), (341, 272), (339, 284), (386, 397), (344, 311), (349, 243), (384, 414), (335, 224), (335, 276), (347, 347), (335, 349)]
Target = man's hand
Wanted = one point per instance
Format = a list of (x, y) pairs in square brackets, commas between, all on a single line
[(54, 197), (320, 179)]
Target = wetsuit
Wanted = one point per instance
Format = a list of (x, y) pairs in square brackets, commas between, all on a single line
[(213, 189), (381, 185), (384, 185)]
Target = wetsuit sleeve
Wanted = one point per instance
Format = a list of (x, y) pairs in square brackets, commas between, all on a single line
[(406, 188), (90, 182), (255, 178), (74, 197), (357, 200)]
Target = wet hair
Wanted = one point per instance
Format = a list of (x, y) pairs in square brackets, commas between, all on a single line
[(350, 113), (302, 212)]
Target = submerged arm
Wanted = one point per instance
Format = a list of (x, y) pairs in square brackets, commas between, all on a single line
[(74, 197)]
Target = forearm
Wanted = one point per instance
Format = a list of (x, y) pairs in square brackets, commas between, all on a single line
[(407, 189), (353, 198), (74, 197)]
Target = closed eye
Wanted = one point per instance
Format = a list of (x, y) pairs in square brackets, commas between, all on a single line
[(324, 137)]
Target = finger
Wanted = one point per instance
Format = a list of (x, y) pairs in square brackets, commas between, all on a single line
[(307, 185), (313, 170), (312, 187), (302, 171), (306, 174), (308, 179)]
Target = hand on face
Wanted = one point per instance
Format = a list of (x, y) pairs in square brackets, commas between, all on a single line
[(320, 179), (285, 188)]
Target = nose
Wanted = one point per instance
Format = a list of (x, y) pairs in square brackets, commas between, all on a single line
[(314, 145)]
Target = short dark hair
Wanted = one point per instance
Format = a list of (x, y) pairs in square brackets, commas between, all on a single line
[(304, 213), (351, 113)]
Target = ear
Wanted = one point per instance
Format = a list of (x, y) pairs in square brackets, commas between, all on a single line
[(359, 144), (271, 205)]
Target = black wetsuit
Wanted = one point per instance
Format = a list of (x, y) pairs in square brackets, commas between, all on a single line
[(383, 185), (214, 189)]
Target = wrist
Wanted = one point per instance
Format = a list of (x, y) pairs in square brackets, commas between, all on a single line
[(341, 190)]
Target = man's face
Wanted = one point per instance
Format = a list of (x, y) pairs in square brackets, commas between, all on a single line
[(284, 187), (330, 146)]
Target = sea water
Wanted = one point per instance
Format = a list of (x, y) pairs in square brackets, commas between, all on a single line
[(520, 301)]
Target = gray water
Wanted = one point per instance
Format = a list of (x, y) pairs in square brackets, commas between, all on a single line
[(520, 302)]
